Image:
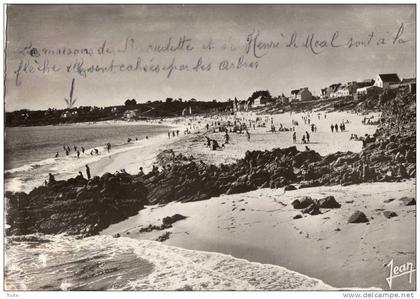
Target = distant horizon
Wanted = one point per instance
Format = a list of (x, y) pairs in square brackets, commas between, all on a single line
[(152, 52), (175, 98)]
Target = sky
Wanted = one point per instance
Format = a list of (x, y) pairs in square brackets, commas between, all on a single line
[(131, 32)]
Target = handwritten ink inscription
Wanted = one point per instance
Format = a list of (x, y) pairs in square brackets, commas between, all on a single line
[(185, 54)]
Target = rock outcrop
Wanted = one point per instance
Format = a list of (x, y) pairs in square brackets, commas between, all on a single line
[(75, 206)]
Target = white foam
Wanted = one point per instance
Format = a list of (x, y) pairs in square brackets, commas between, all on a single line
[(177, 268)]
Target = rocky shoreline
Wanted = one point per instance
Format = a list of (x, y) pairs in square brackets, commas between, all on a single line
[(81, 207)]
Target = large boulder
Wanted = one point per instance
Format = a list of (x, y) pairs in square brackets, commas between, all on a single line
[(328, 202), (302, 203), (358, 217), (312, 209)]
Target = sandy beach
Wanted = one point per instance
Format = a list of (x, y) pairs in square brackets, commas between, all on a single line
[(259, 225)]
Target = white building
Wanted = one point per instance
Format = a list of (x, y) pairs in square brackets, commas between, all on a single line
[(385, 80)]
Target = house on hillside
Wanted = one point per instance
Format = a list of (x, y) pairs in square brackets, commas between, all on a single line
[(365, 83), (332, 90), (323, 93), (302, 94), (294, 94), (386, 80), (130, 115), (369, 90), (65, 114), (342, 91), (408, 84), (259, 102)]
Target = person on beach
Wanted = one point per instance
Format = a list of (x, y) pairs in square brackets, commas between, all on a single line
[(303, 139), (307, 136), (96, 151), (83, 149), (128, 140), (248, 136), (177, 133), (294, 137), (332, 128), (78, 154), (227, 138), (141, 172), (108, 146), (336, 128), (75, 148), (56, 155), (173, 133), (87, 172), (80, 175), (169, 135), (51, 178)]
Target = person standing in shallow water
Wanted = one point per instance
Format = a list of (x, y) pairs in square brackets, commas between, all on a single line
[(87, 172)]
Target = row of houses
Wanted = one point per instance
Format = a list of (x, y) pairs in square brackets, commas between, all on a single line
[(368, 87)]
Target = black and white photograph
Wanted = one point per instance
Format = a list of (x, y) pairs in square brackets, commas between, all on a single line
[(209, 147)]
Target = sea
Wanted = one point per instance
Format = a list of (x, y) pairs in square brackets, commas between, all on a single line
[(65, 263), (30, 151)]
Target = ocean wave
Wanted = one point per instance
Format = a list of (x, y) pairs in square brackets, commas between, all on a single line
[(38, 262)]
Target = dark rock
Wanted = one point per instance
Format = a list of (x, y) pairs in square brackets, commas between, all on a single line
[(298, 216), (74, 208), (389, 200), (172, 219), (358, 217), (390, 214), (163, 237), (290, 188), (408, 201), (328, 202), (302, 202), (238, 187), (313, 209)]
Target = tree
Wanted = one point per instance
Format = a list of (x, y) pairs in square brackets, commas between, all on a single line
[(261, 93), (129, 102)]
